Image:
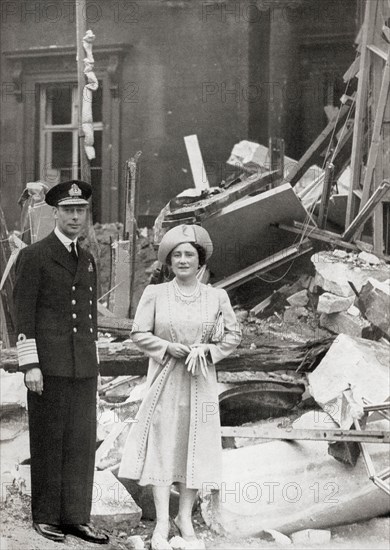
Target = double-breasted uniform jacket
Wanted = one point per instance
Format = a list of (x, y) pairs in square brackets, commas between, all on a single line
[(56, 314), (56, 309)]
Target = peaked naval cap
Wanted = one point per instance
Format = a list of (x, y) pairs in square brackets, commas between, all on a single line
[(69, 193), (184, 234)]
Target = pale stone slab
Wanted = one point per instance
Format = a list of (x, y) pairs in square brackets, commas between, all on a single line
[(311, 536), (135, 542), (369, 258), (333, 275), (299, 298), (356, 363), (112, 506), (344, 323), (374, 302), (331, 303)]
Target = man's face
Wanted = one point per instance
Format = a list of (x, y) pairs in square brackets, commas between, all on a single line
[(70, 219)]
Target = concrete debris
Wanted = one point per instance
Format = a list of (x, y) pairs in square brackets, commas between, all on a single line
[(291, 487), (112, 506), (135, 542), (370, 258), (299, 298), (331, 303), (344, 323), (271, 535), (311, 536), (333, 275), (356, 363), (13, 392), (109, 453), (339, 253), (374, 302), (292, 314), (178, 543)]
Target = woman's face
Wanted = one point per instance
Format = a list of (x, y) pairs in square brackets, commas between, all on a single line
[(185, 261)]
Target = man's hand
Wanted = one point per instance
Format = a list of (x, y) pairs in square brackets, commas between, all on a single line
[(33, 379), (178, 350)]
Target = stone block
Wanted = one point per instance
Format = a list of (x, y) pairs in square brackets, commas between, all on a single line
[(344, 323), (112, 506), (299, 298), (331, 303), (369, 258), (135, 542), (333, 274), (292, 314), (271, 535), (374, 302), (311, 536), (351, 363)]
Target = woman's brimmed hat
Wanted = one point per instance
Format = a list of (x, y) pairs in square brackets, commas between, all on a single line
[(184, 234)]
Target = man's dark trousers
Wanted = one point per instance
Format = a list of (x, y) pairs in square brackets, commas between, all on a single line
[(62, 424)]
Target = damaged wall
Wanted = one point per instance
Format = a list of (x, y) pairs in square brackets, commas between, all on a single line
[(205, 68)]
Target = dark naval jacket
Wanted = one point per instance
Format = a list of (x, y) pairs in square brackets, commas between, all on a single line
[(56, 308)]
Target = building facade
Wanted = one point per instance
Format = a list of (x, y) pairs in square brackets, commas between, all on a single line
[(225, 71)]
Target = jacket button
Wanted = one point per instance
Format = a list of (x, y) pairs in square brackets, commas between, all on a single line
[(73, 288), (90, 288), (90, 302), (74, 329), (73, 302), (91, 330), (90, 316), (74, 315)]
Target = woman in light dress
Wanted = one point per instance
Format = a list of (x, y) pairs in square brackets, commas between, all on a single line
[(176, 438)]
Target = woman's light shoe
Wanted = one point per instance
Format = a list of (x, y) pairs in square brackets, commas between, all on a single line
[(183, 541), (158, 542)]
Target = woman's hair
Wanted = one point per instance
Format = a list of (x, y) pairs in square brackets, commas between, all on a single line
[(201, 254)]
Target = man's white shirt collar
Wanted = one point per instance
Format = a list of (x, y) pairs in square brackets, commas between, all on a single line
[(65, 240)]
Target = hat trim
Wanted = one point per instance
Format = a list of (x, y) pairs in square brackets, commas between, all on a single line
[(69, 200)]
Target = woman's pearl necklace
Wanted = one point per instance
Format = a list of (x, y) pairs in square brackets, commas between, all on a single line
[(186, 295)]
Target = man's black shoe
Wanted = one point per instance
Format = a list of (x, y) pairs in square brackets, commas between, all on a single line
[(52, 532), (86, 532)]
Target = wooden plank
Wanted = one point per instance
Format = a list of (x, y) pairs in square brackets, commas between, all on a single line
[(307, 434), (376, 132), (312, 232), (130, 361), (378, 51), (132, 170), (352, 70), (367, 211), (202, 209), (198, 170), (312, 155), (277, 259), (361, 105), (327, 187)]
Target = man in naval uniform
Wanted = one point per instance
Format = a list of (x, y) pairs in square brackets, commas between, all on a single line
[(56, 314)]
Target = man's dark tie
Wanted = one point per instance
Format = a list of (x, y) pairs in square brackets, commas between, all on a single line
[(73, 252)]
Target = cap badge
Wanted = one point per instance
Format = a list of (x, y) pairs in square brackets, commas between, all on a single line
[(75, 191)]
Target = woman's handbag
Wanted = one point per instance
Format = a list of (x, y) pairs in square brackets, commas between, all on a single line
[(218, 330)]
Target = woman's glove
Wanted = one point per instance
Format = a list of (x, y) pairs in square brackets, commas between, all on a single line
[(178, 350), (197, 360)]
